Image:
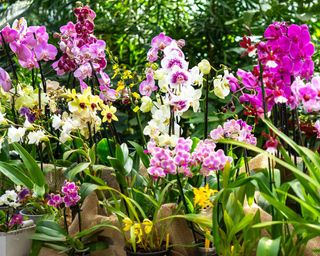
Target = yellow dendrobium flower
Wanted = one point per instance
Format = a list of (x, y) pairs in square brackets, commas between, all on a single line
[(138, 232), (136, 95), (147, 224), (202, 196), (120, 85), (127, 74), (116, 70), (127, 224), (108, 114)]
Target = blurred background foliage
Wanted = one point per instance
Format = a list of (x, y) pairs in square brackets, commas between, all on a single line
[(211, 28)]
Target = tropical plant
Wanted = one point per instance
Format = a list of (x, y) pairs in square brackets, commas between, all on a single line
[(50, 234)]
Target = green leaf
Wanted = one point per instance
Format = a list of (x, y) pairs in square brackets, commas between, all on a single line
[(308, 182), (250, 190), (92, 155), (195, 141), (35, 173), (16, 175), (95, 228), (50, 232), (128, 165), (71, 174), (125, 151), (148, 197), (103, 150), (51, 225), (39, 191), (67, 154), (87, 188), (120, 155), (98, 246), (144, 157), (47, 238), (268, 247)]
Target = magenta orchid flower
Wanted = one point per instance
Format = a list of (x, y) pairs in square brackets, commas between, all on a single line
[(161, 41), (5, 81), (148, 86)]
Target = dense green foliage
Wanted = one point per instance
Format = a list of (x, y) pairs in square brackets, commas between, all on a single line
[(211, 28)]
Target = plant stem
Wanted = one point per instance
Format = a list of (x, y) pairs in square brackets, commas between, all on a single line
[(41, 156), (140, 128), (206, 110), (266, 117), (9, 58), (65, 219), (246, 161), (90, 135), (115, 134), (217, 217), (79, 218), (185, 205), (263, 91)]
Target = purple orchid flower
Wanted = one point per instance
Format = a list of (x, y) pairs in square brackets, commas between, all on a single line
[(5, 81)]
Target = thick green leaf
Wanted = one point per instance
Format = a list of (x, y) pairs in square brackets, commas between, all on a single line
[(103, 150), (95, 228), (51, 225), (128, 165), (87, 188), (92, 155), (50, 232), (77, 169), (125, 151), (47, 238), (268, 247), (144, 157), (67, 154), (35, 173), (119, 154), (16, 175)]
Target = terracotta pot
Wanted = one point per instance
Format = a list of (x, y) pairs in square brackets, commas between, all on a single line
[(156, 253)]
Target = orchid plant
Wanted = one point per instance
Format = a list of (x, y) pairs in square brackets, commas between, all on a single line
[(79, 124)]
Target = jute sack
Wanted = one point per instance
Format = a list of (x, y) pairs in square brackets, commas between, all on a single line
[(178, 229), (89, 217)]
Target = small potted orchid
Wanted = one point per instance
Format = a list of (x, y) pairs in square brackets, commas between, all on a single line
[(33, 207), (14, 231), (144, 231)]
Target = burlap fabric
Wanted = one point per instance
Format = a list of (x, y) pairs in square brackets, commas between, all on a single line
[(89, 218)]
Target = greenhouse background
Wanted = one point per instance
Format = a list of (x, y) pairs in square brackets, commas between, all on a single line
[(159, 127)]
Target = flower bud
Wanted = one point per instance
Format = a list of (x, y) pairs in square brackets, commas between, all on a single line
[(204, 67)]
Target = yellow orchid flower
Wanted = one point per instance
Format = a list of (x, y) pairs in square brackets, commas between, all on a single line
[(108, 114), (127, 224), (147, 224), (138, 232), (202, 196)]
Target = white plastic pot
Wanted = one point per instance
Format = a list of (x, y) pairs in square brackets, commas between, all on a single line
[(17, 242)]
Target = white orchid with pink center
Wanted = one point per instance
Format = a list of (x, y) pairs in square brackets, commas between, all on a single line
[(174, 84)]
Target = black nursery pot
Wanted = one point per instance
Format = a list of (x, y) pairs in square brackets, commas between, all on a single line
[(157, 253), (206, 251)]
